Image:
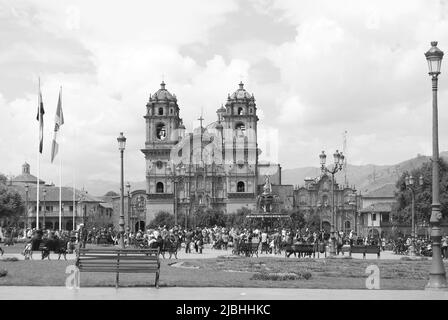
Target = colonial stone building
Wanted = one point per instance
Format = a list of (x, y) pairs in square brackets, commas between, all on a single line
[(215, 166), (77, 205), (314, 198)]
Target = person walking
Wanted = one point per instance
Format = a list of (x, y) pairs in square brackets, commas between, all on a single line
[(445, 247), (82, 236)]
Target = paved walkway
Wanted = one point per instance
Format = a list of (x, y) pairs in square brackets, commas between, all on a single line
[(209, 253), (181, 293)]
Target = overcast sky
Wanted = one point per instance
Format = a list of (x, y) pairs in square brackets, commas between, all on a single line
[(316, 68)]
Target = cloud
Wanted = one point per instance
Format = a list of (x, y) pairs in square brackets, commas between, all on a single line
[(316, 70)]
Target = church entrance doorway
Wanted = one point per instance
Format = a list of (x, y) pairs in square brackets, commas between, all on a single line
[(140, 225)]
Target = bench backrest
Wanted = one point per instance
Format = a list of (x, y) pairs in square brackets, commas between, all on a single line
[(364, 248), (122, 260)]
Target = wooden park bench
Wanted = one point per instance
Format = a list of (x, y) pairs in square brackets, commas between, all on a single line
[(119, 261), (301, 249), (248, 248), (365, 249)]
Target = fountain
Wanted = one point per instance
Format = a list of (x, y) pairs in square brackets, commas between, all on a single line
[(267, 212)]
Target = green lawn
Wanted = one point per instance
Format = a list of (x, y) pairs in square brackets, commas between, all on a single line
[(232, 272)]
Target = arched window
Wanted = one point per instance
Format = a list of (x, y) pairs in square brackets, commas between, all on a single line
[(240, 128), (161, 131), (240, 186), (240, 111), (160, 111), (171, 111), (159, 187), (250, 110), (347, 225)]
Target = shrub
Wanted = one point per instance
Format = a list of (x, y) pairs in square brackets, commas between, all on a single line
[(3, 272), (10, 259), (281, 276), (339, 257)]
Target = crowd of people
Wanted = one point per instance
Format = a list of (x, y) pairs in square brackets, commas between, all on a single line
[(194, 239)]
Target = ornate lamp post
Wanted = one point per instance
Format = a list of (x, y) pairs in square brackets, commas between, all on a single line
[(121, 146), (410, 184), (437, 275), (338, 165)]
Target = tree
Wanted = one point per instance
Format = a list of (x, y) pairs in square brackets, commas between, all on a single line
[(402, 211), (297, 219), (11, 205), (210, 218), (111, 194), (100, 221), (162, 218), (313, 223), (238, 219), (3, 179)]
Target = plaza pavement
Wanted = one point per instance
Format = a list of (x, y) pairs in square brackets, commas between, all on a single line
[(192, 293), (209, 253)]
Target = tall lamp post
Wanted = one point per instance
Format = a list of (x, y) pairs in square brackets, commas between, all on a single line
[(128, 189), (175, 177), (45, 207), (121, 146), (410, 185), (437, 275), (27, 189), (338, 165), (353, 202)]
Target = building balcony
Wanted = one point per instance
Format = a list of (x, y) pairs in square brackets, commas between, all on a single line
[(157, 196), (240, 195)]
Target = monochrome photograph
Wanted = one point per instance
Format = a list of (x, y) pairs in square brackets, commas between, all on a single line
[(223, 155)]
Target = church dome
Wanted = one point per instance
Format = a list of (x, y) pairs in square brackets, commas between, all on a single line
[(163, 94), (241, 93)]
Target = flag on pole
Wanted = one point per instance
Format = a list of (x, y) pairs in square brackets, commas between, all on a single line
[(40, 118), (59, 121)]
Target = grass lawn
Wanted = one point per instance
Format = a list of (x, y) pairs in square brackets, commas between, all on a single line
[(232, 272)]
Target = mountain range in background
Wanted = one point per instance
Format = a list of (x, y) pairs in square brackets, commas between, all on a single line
[(364, 177)]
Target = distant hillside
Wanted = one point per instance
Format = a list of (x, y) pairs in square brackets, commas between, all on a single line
[(365, 177)]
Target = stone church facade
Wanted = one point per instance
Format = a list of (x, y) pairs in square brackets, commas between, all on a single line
[(215, 166), (315, 198)]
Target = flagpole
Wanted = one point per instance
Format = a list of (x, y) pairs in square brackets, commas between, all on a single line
[(38, 159), (60, 183), (74, 203), (74, 181), (60, 193)]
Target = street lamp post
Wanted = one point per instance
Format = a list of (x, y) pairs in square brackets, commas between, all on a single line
[(410, 184), (437, 275), (128, 188), (121, 146), (45, 207), (27, 189), (338, 165), (175, 177), (354, 204)]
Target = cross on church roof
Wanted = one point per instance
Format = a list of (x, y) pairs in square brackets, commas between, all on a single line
[(201, 119)]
